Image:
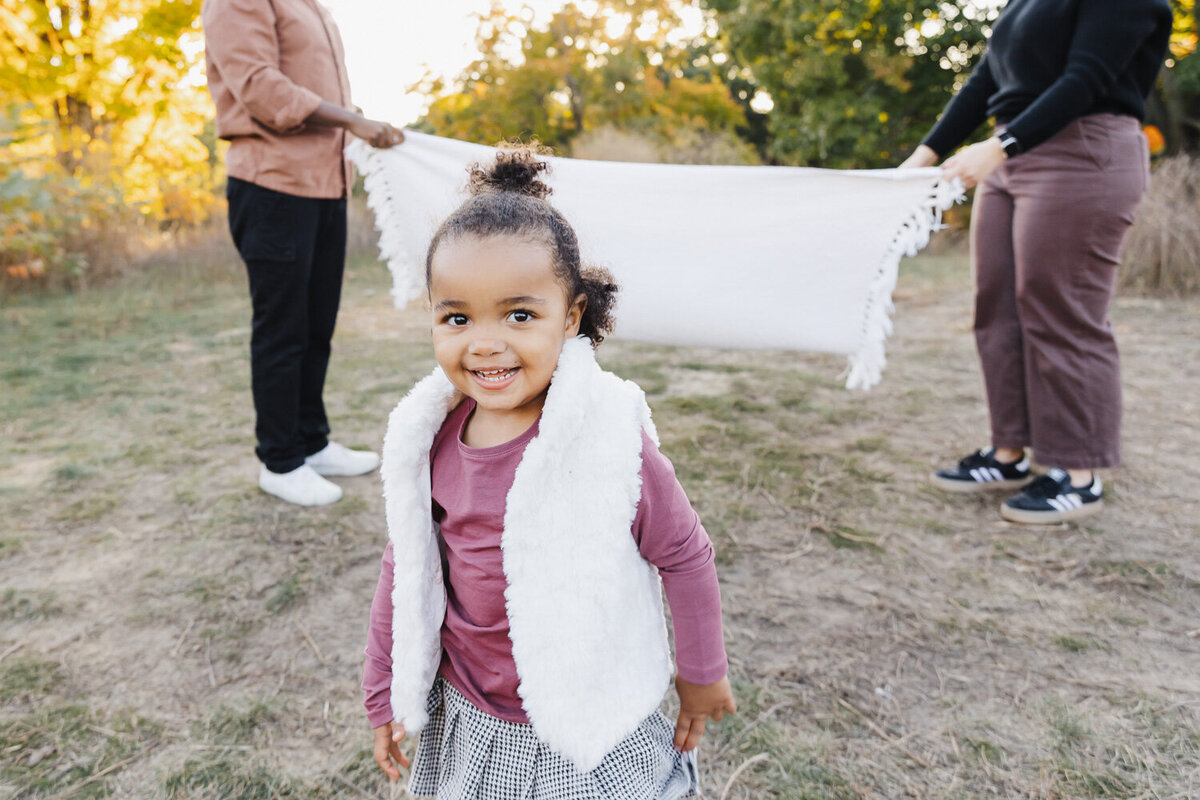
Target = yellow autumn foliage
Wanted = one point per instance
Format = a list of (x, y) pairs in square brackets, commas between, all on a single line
[(106, 124)]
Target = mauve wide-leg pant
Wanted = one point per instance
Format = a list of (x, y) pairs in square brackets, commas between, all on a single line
[(1046, 234)]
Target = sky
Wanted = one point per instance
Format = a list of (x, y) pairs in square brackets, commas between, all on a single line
[(389, 44)]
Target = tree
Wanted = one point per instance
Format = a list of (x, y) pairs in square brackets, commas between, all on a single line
[(613, 64), (854, 83), (111, 92), (1173, 106)]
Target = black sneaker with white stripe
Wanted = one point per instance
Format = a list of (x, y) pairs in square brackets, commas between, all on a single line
[(1051, 498), (981, 471)]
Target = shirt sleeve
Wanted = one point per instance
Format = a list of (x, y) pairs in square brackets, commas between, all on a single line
[(669, 535), (1107, 35), (241, 40), (377, 669), (965, 112)]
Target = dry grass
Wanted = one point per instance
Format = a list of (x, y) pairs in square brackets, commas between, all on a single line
[(167, 631), (124, 247), (1162, 253), (208, 247)]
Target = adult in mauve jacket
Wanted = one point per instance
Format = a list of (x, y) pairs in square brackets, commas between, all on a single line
[(277, 74)]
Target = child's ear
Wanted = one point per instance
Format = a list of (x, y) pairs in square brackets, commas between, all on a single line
[(575, 315)]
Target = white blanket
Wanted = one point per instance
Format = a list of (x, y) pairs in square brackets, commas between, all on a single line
[(716, 256)]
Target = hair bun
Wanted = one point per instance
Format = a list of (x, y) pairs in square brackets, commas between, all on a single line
[(515, 170)]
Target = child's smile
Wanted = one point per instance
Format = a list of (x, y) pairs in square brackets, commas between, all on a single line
[(493, 379), (500, 317)]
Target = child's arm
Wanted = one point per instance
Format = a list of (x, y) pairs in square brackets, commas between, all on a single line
[(669, 535), (377, 674)]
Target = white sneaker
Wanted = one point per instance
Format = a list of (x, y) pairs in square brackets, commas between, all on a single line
[(302, 486), (342, 462)]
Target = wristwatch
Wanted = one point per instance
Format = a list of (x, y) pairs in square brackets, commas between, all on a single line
[(1009, 143)]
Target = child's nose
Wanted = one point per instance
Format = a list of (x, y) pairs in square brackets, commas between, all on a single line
[(486, 346)]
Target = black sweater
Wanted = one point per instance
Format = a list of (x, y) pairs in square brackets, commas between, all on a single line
[(1050, 62)]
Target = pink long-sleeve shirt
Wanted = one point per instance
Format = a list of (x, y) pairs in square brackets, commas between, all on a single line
[(470, 487)]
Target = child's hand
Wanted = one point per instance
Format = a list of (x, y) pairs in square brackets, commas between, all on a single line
[(698, 702), (387, 749)]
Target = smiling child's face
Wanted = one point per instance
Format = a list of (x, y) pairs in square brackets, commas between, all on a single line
[(500, 317)]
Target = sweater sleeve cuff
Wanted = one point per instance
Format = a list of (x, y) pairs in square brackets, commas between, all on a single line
[(942, 143), (703, 674), (932, 146), (381, 716), (291, 116)]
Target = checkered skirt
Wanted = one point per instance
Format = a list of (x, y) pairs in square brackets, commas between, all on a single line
[(467, 754)]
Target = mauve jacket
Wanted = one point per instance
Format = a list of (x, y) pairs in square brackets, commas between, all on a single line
[(270, 64)]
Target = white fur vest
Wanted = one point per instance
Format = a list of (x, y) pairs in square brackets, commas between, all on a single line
[(584, 608)]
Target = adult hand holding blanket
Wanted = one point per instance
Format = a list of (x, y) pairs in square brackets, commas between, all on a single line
[(717, 256)]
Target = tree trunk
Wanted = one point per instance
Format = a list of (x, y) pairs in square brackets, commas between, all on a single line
[(576, 102), (1175, 117)]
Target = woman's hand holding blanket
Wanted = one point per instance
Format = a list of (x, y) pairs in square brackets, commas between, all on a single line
[(973, 164), (923, 156), (698, 702)]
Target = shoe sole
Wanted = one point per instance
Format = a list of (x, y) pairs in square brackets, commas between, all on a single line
[(343, 473), (266, 489), (1049, 517), (298, 503), (971, 487)]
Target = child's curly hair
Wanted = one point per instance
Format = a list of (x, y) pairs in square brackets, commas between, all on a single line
[(508, 199)]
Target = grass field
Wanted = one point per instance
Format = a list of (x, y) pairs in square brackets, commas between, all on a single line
[(167, 631)]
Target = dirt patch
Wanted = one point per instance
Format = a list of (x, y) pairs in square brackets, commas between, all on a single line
[(27, 472)]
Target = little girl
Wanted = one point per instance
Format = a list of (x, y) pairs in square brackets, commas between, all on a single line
[(518, 622)]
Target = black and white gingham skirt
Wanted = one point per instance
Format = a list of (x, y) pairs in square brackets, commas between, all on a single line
[(467, 754)]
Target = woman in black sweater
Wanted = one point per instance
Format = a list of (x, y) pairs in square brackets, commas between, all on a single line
[(1066, 82)]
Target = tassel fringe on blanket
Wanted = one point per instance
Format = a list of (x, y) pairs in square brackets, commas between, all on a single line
[(716, 256)]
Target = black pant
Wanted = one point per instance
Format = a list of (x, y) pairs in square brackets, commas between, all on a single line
[(295, 254)]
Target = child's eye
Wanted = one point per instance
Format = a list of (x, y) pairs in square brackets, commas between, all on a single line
[(520, 316), (455, 320)]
